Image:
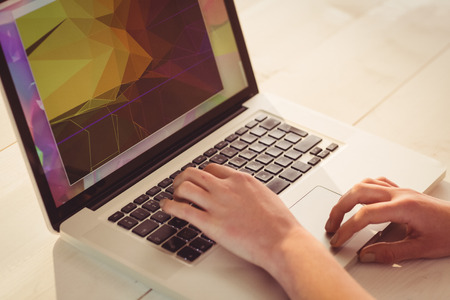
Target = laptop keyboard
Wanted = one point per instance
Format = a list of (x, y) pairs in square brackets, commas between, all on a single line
[(274, 152)]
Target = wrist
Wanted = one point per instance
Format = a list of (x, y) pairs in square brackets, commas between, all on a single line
[(278, 258)]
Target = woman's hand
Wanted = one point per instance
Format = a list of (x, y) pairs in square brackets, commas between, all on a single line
[(237, 211), (427, 220)]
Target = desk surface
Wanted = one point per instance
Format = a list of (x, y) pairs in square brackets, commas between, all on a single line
[(378, 65)]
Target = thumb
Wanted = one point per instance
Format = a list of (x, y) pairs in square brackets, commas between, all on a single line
[(392, 252)]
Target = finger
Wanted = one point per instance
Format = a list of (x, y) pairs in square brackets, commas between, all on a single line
[(219, 171), (361, 193), (389, 182), (198, 177), (393, 252), (185, 211), (378, 181), (189, 192), (370, 214)]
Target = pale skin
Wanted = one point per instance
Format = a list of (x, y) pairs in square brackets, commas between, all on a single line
[(426, 218), (236, 209)]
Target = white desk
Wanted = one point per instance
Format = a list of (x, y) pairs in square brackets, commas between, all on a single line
[(379, 65)]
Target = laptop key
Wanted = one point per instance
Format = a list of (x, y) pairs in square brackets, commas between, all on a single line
[(264, 159), (153, 191), (277, 185), (258, 131), (332, 147), (161, 234), (291, 175), (165, 183), (261, 118), (283, 145), (200, 159), (238, 162), (210, 152), (293, 154), (314, 161), (116, 216), (231, 137), (248, 154), (187, 234), (241, 131), (189, 253), (307, 143), (203, 165), (221, 145), (270, 123), (288, 128), (140, 214), (174, 244), (128, 222), (129, 207), (301, 166), (315, 151), (249, 138), (277, 134), (257, 147), (170, 190), (151, 205), (177, 222), (251, 124), (189, 165), (145, 228), (239, 145), (229, 152), (274, 169), (254, 166), (267, 140), (207, 238), (201, 244), (264, 176), (283, 161), (160, 216), (141, 199), (175, 174), (163, 195), (292, 137), (323, 154), (219, 159), (275, 152)]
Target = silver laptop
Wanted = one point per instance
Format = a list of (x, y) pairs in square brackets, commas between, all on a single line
[(112, 99)]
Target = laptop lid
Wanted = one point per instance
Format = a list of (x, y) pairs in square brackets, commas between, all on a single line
[(104, 92)]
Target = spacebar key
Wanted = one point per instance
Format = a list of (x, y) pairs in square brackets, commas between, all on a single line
[(277, 185)]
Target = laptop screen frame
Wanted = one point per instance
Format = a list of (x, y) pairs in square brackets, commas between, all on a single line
[(141, 166)]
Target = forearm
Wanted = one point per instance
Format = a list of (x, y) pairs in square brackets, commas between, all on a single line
[(306, 270)]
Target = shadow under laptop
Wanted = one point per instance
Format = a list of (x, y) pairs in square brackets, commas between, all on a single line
[(78, 276)]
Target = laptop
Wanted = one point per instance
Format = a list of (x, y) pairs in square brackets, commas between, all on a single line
[(110, 100)]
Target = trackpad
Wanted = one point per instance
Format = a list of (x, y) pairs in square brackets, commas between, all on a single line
[(312, 211)]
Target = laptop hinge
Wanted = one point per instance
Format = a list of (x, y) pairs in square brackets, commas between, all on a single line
[(174, 151)]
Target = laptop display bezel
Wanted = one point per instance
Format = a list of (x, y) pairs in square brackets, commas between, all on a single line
[(141, 166)]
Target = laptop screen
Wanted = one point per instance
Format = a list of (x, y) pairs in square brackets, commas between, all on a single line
[(101, 83)]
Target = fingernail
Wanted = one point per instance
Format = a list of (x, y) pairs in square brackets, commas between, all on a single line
[(367, 257), (334, 239)]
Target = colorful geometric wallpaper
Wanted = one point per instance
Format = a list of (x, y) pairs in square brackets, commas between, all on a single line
[(112, 72)]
